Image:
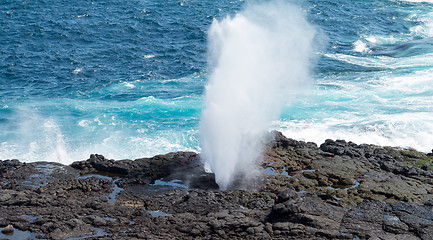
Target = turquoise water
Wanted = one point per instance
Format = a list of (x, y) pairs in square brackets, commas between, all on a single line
[(126, 79)]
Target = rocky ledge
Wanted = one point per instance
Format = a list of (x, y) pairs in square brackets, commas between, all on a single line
[(338, 190)]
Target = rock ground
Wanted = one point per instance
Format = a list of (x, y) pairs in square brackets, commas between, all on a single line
[(338, 190)]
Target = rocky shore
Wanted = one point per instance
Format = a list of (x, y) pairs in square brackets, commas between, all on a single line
[(338, 190)]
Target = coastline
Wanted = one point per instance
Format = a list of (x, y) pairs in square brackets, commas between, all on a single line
[(338, 190)]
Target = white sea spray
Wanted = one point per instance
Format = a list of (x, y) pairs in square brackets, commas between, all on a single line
[(258, 59)]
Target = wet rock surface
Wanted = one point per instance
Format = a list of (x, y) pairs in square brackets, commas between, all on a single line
[(338, 190)]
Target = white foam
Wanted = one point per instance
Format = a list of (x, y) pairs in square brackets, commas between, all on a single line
[(380, 39), (84, 123), (413, 130), (371, 39), (360, 61), (360, 46), (424, 19), (121, 145), (39, 139), (78, 71), (385, 62), (417, 82), (101, 128), (48, 143), (383, 108), (129, 85)]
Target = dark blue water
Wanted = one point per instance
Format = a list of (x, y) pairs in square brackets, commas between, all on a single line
[(126, 78)]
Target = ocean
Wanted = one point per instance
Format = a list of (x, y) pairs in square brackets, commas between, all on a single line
[(126, 78)]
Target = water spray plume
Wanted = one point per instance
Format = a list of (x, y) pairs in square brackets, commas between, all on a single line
[(258, 60)]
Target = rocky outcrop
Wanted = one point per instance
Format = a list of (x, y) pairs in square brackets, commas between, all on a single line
[(338, 190)]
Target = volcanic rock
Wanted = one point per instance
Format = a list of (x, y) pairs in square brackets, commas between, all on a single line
[(338, 190), (8, 229)]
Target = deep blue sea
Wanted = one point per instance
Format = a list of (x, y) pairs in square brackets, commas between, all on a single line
[(126, 78)]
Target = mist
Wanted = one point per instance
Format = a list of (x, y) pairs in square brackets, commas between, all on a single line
[(258, 60)]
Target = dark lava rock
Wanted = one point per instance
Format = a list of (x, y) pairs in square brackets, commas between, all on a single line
[(8, 229), (98, 163), (339, 190)]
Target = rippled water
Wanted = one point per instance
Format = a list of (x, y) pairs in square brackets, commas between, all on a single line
[(126, 78)]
